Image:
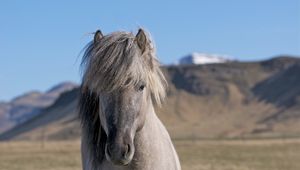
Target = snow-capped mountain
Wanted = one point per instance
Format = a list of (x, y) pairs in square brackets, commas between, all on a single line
[(202, 58)]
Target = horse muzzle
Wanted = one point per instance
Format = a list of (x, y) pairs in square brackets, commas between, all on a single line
[(119, 154)]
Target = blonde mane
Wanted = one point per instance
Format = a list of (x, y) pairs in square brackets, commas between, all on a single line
[(116, 61)]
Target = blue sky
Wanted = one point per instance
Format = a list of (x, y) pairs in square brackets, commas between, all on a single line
[(40, 41)]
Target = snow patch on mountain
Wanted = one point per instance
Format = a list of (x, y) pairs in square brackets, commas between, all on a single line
[(203, 58)]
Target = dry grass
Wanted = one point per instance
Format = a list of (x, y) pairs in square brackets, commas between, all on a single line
[(39, 156), (240, 155), (195, 155)]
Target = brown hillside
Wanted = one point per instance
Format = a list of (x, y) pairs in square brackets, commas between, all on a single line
[(28, 105), (239, 99)]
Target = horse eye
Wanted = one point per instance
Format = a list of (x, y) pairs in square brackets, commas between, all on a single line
[(141, 88)]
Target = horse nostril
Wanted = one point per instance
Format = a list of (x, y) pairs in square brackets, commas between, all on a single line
[(126, 151), (108, 152)]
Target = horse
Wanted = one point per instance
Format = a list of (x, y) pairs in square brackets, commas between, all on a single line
[(121, 82)]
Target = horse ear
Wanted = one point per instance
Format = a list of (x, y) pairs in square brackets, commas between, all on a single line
[(98, 35), (141, 39)]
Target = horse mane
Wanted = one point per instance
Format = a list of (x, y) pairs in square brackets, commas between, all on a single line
[(114, 61), (117, 61), (90, 122)]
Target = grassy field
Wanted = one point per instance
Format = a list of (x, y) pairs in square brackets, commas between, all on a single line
[(195, 155)]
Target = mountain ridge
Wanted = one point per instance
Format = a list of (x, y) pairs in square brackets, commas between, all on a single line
[(28, 105), (225, 100)]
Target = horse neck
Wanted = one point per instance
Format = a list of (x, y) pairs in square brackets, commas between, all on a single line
[(153, 139), (152, 129), (151, 120)]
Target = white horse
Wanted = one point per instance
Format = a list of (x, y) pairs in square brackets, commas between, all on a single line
[(120, 129)]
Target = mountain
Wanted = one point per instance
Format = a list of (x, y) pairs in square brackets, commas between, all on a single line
[(202, 58), (223, 100), (28, 105)]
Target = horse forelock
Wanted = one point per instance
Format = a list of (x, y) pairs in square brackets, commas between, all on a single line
[(116, 62)]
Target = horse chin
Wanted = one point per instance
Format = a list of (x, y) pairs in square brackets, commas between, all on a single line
[(122, 162), (116, 160), (119, 162)]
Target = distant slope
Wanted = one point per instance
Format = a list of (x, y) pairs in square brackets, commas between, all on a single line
[(283, 91), (285, 87), (237, 99), (29, 105)]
